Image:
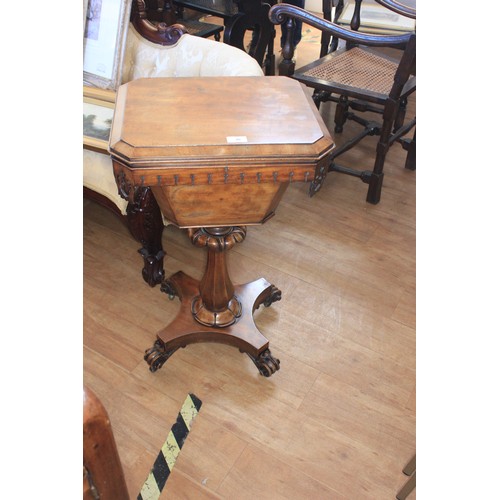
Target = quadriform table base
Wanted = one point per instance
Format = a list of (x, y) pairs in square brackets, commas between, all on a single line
[(213, 310), (214, 178)]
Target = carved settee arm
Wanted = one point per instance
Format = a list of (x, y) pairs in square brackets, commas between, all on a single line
[(157, 33)]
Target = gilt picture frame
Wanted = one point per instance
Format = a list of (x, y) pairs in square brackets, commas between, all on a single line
[(104, 38), (98, 109)]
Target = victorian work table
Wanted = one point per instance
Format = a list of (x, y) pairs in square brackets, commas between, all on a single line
[(218, 154)]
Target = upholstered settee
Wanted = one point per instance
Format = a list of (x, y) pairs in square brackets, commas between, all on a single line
[(189, 56)]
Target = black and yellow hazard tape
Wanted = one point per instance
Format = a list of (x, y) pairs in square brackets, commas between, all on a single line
[(170, 450)]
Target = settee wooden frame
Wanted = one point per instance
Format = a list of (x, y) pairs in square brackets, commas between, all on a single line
[(143, 216)]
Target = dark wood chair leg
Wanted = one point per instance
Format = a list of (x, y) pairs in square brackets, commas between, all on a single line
[(341, 114), (270, 60), (411, 466), (411, 157), (408, 487), (400, 115), (383, 145), (411, 483), (377, 176), (375, 188), (146, 225)]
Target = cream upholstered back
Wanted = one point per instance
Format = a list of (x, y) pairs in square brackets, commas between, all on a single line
[(191, 56)]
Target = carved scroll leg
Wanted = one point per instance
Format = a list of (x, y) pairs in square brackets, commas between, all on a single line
[(156, 356), (266, 363), (153, 271), (146, 225)]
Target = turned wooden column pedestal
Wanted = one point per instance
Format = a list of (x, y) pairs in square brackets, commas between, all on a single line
[(217, 154), (213, 309), (216, 304)]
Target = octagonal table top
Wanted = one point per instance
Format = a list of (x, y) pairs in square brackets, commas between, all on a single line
[(211, 121)]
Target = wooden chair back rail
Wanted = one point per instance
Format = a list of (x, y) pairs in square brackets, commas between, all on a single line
[(406, 65), (281, 12), (327, 42), (356, 17)]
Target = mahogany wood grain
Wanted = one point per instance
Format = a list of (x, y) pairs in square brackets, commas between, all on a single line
[(103, 473), (186, 329), (276, 117), (223, 204), (146, 225)]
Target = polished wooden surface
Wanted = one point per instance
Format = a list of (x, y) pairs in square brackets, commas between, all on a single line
[(167, 121), (102, 470), (338, 419)]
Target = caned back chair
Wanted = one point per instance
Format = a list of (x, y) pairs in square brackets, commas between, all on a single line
[(360, 78)]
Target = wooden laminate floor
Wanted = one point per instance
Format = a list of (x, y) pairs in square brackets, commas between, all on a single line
[(337, 421)]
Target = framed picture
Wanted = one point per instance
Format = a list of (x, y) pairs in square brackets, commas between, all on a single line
[(98, 109), (104, 38)]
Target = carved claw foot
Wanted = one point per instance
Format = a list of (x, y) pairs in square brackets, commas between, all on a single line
[(156, 356), (266, 363), (167, 287), (274, 296)]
